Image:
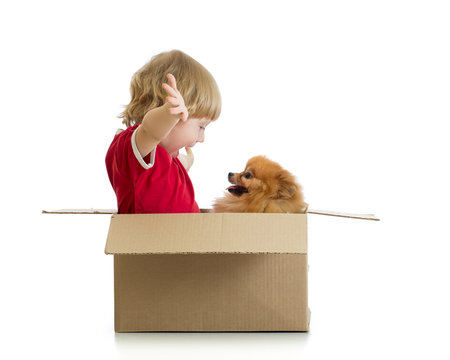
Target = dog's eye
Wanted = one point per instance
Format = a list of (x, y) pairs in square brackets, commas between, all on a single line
[(248, 175)]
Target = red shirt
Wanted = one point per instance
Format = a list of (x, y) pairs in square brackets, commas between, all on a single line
[(164, 187)]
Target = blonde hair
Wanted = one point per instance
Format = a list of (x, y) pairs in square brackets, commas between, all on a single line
[(195, 83)]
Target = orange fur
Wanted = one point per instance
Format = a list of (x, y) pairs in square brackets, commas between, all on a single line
[(270, 189)]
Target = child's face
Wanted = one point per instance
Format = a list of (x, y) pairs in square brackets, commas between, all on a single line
[(185, 134)]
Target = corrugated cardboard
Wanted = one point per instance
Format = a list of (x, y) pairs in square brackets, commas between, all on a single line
[(145, 234), (209, 272)]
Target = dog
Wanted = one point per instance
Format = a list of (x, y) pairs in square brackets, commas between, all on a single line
[(263, 187)]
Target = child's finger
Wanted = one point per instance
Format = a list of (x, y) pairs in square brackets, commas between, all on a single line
[(189, 157), (175, 110), (184, 116), (183, 113), (173, 101), (189, 152), (169, 90), (179, 110), (172, 81)]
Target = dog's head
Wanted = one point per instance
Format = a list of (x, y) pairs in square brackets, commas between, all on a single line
[(263, 176)]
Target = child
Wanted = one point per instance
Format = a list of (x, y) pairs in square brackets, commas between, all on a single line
[(144, 166)]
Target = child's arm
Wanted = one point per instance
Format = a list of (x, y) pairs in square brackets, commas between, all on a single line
[(158, 122)]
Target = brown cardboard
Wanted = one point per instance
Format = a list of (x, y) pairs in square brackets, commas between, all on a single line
[(209, 272), (211, 292), (207, 233)]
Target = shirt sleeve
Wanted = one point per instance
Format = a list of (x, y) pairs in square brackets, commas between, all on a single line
[(126, 161), (138, 155)]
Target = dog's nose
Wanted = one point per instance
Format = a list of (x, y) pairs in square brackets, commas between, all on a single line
[(230, 175)]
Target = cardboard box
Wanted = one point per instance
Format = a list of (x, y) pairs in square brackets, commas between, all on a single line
[(210, 272)]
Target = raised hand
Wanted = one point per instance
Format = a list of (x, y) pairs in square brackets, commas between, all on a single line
[(175, 99)]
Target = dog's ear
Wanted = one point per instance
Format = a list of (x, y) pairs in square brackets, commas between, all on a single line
[(287, 187)]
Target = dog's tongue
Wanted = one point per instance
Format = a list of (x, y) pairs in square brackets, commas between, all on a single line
[(237, 190)]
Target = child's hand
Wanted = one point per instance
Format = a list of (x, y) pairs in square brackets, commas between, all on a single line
[(188, 159), (175, 99)]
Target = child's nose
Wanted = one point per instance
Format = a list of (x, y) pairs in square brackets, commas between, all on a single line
[(201, 138)]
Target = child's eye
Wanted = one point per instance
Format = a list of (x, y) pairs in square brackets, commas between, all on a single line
[(201, 127)]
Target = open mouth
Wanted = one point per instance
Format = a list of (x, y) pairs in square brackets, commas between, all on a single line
[(237, 190)]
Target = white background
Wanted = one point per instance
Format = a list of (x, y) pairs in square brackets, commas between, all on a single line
[(350, 96)]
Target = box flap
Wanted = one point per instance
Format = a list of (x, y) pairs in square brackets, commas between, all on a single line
[(81, 211), (207, 233), (92, 211), (342, 214)]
